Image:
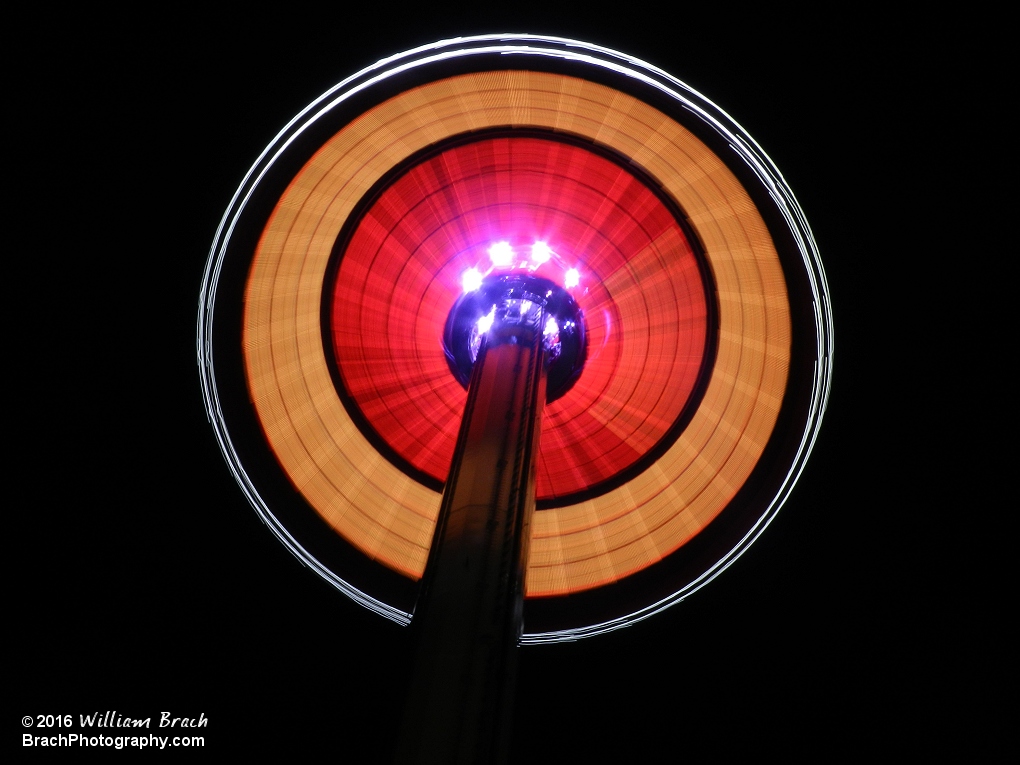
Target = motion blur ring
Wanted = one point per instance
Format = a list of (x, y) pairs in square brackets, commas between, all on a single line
[(340, 257)]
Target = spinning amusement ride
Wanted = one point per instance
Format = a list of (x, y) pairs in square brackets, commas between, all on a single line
[(514, 336)]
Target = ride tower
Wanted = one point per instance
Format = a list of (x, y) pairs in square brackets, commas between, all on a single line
[(515, 340)]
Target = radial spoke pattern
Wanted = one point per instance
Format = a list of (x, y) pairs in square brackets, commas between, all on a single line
[(642, 293)]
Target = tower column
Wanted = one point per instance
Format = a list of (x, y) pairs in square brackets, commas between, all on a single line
[(468, 620)]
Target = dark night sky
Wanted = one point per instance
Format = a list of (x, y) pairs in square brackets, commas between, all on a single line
[(144, 582)]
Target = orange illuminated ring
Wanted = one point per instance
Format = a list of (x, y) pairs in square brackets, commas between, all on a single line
[(746, 430)]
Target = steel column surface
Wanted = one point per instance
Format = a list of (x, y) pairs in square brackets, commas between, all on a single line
[(469, 615)]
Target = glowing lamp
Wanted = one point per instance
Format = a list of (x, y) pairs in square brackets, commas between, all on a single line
[(501, 254), (540, 253)]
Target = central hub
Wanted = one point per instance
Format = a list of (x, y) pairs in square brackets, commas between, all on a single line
[(507, 308)]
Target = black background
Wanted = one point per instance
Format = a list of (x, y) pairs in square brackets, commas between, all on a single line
[(143, 582)]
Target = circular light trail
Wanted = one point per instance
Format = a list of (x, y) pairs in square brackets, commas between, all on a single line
[(709, 328)]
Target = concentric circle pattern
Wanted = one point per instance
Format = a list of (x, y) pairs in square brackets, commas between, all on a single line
[(647, 279), (642, 294)]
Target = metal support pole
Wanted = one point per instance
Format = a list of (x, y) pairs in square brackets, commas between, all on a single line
[(469, 615)]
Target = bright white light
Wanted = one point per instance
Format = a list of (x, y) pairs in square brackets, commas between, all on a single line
[(540, 253), (486, 321), (571, 278), (471, 280), (551, 327), (501, 254)]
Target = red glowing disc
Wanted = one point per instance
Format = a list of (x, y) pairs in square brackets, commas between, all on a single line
[(643, 294)]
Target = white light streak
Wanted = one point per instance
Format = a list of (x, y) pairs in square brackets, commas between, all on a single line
[(485, 323)]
